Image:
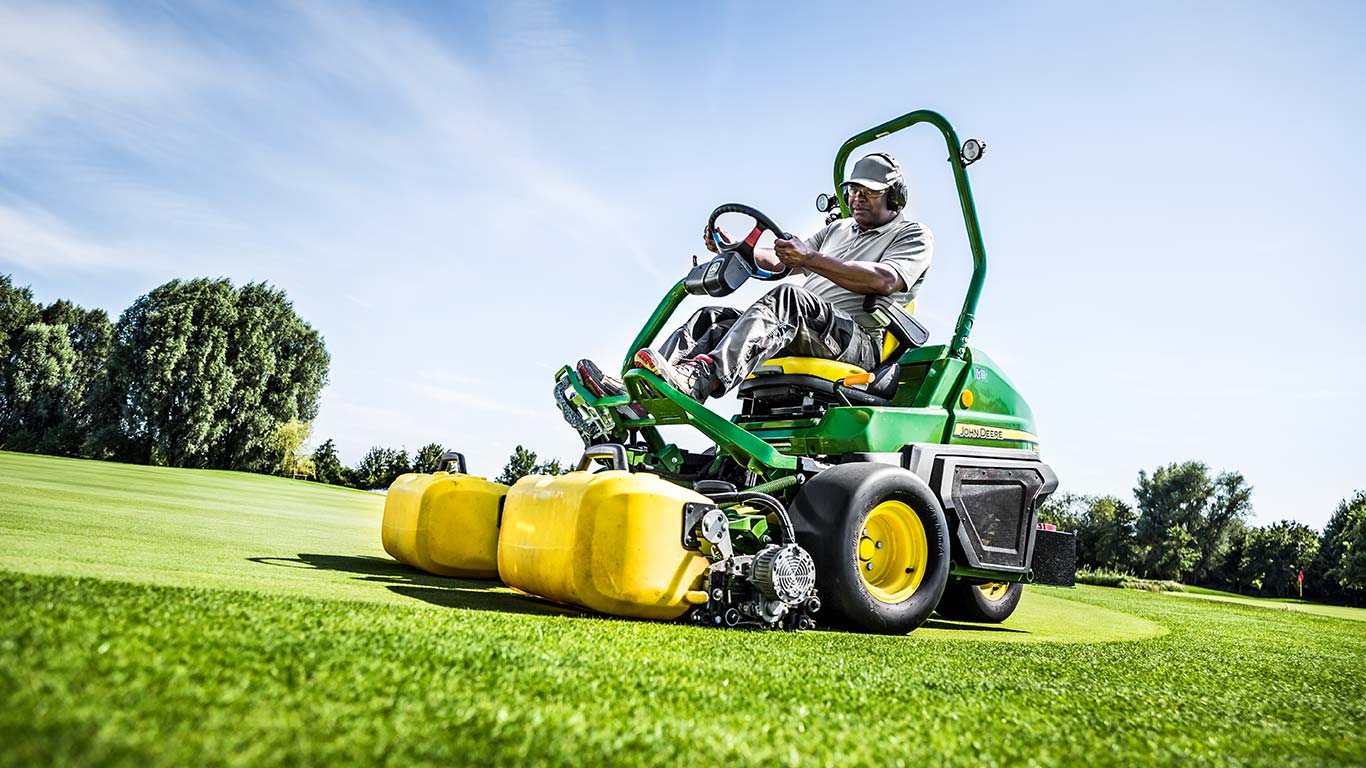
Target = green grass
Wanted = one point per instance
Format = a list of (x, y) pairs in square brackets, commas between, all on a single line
[(1278, 603), (161, 617)]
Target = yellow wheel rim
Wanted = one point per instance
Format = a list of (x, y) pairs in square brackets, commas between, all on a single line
[(892, 552), (994, 590)]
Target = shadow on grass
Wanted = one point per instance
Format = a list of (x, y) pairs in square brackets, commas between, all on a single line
[(939, 623), (448, 592), (482, 595), (500, 602)]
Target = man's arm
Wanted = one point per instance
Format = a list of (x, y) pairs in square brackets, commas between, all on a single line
[(768, 259), (866, 277)]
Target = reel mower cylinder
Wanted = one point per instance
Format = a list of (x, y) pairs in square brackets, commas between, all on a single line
[(610, 541), (446, 524)]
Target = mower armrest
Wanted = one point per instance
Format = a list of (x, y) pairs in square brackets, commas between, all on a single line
[(898, 322)]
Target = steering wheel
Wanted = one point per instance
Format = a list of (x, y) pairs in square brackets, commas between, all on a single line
[(745, 248)]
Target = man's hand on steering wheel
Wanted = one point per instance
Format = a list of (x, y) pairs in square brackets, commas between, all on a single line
[(707, 239), (792, 253)]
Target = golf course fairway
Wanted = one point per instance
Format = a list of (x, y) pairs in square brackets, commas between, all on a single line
[(158, 616)]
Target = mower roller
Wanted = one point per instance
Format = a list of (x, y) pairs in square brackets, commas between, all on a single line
[(875, 497)]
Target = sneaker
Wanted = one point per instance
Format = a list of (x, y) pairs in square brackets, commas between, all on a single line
[(694, 377), (707, 381), (606, 386)]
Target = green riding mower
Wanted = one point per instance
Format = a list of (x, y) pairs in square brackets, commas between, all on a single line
[(875, 497)]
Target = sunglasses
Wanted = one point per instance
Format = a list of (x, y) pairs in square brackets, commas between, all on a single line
[(863, 192)]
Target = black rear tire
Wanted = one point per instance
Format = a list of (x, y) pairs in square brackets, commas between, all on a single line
[(853, 516), (982, 603)]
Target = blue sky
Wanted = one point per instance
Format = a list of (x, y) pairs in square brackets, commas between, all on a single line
[(464, 197)]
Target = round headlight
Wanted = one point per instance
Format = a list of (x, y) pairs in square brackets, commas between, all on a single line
[(825, 202), (972, 151)]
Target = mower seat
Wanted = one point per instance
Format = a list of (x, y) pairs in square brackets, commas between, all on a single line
[(830, 370), (815, 379)]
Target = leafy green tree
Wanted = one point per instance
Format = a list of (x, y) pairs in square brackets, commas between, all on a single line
[(280, 366), (369, 473), (1232, 571), (202, 374), (171, 371), (380, 467), (1176, 555), (327, 466), (428, 457), (17, 312), (1229, 505), (1065, 510), (1108, 539), (1271, 558), (1339, 569), (90, 335), (287, 446), (523, 462), (39, 388), (1185, 518)]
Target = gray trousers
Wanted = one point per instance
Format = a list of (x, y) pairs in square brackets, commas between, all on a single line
[(788, 320)]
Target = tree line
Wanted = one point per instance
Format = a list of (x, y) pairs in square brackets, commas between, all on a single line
[(1190, 525), (196, 373), (380, 466)]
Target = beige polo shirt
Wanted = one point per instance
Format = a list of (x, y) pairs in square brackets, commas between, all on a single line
[(904, 245)]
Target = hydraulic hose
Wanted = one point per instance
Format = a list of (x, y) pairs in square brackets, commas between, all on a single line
[(789, 534)]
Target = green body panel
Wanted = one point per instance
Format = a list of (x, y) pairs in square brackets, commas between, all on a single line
[(999, 417), (860, 429), (927, 409)]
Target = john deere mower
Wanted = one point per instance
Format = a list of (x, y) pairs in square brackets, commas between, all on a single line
[(875, 497)]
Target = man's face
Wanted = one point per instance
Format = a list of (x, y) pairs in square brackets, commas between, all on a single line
[(869, 208)]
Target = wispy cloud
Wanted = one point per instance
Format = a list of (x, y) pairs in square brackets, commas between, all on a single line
[(36, 240), (76, 61), (532, 39), (467, 399), (449, 377), (368, 132)]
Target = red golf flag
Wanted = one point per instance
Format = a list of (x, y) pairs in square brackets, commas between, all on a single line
[(1301, 575)]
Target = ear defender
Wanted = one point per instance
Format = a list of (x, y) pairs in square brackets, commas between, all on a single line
[(897, 193)]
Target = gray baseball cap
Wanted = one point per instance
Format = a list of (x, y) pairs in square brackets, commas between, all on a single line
[(876, 172)]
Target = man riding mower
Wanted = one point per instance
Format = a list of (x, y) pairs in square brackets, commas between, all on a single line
[(876, 252), (867, 475)]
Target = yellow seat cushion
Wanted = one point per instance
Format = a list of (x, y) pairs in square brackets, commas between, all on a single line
[(830, 370)]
